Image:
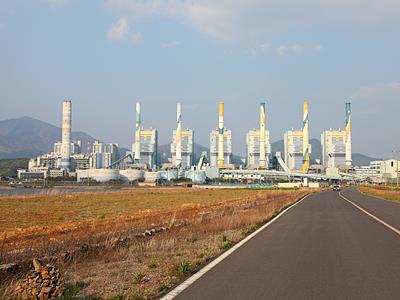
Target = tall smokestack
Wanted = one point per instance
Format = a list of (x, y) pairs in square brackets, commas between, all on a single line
[(221, 135), (262, 135), (137, 133), (178, 156), (306, 146), (348, 134), (66, 135)]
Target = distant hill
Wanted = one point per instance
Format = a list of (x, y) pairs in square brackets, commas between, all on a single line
[(29, 137)]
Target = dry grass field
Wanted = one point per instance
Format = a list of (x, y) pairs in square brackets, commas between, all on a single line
[(386, 192), (129, 244)]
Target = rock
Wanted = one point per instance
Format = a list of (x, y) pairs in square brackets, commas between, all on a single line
[(37, 265), (43, 284)]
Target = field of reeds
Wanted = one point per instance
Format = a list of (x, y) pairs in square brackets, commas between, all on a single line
[(386, 192), (129, 244)]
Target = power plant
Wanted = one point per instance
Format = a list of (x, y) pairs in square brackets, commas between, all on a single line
[(182, 146), (336, 146), (221, 142), (297, 148), (104, 163), (258, 144), (146, 143)]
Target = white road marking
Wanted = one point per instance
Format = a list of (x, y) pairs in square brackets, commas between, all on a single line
[(371, 215), (188, 282)]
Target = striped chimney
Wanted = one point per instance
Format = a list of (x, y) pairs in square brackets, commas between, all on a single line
[(262, 136), (306, 146), (178, 157), (137, 133), (66, 135), (348, 135), (221, 131)]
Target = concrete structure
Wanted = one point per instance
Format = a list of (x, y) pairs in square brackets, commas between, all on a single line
[(146, 142), (99, 175), (220, 142), (349, 160), (182, 146), (66, 135), (103, 155), (75, 148), (372, 172), (258, 144), (131, 175), (33, 174), (333, 144), (390, 170), (297, 148)]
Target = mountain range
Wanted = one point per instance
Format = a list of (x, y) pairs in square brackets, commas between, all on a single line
[(29, 137)]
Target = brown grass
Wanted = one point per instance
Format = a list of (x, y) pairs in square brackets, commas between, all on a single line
[(109, 255), (386, 192)]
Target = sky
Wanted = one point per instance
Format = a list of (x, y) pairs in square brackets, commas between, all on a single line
[(106, 55)]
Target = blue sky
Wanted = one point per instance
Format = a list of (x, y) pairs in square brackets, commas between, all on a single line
[(105, 55)]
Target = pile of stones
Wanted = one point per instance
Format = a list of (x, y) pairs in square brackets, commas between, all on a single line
[(44, 282)]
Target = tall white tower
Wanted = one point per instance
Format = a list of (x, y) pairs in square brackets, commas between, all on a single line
[(136, 149), (178, 155), (221, 130), (306, 147), (263, 162), (349, 160), (66, 136)]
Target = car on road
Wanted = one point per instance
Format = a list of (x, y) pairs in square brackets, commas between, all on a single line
[(336, 188)]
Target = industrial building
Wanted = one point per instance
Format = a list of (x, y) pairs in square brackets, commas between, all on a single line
[(146, 142), (104, 164), (182, 146), (75, 148), (103, 155), (336, 145), (297, 147), (333, 148), (258, 144), (220, 143)]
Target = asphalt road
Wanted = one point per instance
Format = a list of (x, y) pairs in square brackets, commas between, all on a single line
[(323, 248)]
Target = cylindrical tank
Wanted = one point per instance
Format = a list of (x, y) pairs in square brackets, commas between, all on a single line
[(169, 174), (196, 176), (151, 176), (131, 174), (100, 175)]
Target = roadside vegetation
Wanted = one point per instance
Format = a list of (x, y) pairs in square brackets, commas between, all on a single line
[(386, 192), (132, 244)]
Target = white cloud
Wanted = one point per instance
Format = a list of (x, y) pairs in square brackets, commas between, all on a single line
[(120, 31), (260, 48), (376, 93), (169, 45), (136, 37), (230, 19), (289, 49)]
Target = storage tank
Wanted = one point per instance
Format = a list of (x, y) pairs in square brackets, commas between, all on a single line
[(196, 176), (169, 174), (100, 175), (131, 174), (151, 176)]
